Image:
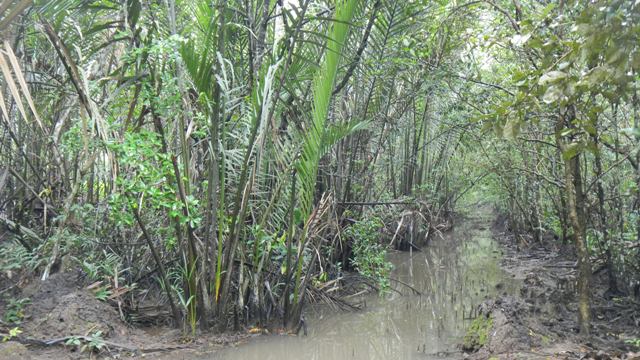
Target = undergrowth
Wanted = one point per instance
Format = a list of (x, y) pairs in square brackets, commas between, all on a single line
[(369, 256)]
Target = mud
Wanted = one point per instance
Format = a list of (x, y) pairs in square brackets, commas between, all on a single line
[(64, 306), (541, 321), (59, 308)]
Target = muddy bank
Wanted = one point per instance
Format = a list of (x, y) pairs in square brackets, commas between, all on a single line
[(63, 318), (540, 322)]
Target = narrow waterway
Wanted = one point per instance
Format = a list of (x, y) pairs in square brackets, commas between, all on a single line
[(454, 273)]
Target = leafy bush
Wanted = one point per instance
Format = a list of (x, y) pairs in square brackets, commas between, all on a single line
[(14, 313), (368, 253), (93, 344), (14, 257)]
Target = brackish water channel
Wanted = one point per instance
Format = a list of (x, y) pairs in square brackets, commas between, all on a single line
[(454, 273)]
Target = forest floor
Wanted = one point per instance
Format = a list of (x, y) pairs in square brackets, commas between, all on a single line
[(538, 323), (541, 321)]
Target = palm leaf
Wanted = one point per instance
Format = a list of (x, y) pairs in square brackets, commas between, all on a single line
[(323, 82)]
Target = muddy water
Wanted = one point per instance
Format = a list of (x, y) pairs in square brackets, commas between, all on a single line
[(454, 273)]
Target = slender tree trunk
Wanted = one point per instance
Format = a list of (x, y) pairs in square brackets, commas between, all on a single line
[(575, 209), (576, 217), (161, 270), (214, 213), (604, 230), (636, 125)]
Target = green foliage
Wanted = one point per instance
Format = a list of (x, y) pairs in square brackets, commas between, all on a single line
[(176, 277), (635, 342), (147, 183), (241, 108), (14, 257), (478, 333), (14, 312), (100, 266), (260, 240), (93, 343), (96, 343), (147, 168), (13, 333), (368, 253), (73, 341), (585, 60), (105, 267), (316, 137), (103, 294)]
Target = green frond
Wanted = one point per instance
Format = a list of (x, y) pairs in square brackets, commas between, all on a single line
[(323, 82)]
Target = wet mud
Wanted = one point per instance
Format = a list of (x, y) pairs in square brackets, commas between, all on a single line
[(540, 321)]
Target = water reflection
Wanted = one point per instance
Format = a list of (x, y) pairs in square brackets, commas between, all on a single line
[(454, 274)]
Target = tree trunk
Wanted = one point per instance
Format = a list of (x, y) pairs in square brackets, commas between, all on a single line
[(575, 212), (606, 241), (575, 200)]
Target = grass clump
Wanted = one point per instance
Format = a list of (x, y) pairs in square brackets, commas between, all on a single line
[(478, 333)]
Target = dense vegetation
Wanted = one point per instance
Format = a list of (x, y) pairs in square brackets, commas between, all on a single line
[(224, 158)]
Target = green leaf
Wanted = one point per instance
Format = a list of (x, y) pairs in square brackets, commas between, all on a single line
[(571, 150), (552, 95), (632, 131), (615, 54), (520, 40), (551, 77), (497, 127), (323, 83), (595, 76), (547, 10), (511, 129), (589, 128), (133, 12)]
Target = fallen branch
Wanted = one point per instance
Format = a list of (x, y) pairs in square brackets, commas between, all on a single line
[(397, 230), (19, 230), (416, 291), (62, 340)]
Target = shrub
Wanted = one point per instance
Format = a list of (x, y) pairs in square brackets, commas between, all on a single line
[(368, 254)]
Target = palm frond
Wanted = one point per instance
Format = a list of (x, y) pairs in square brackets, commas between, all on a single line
[(323, 82)]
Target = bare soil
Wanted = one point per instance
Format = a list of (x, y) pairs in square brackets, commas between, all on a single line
[(541, 323), (63, 307)]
